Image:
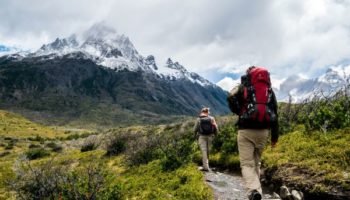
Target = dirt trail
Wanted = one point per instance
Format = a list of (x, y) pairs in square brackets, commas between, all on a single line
[(228, 186)]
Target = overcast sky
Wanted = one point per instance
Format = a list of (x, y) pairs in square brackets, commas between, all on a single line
[(216, 39)]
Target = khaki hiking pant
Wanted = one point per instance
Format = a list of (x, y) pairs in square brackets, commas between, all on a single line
[(251, 144), (204, 144)]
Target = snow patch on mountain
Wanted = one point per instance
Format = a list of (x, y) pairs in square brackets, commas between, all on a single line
[(173, 71), (105, 47)]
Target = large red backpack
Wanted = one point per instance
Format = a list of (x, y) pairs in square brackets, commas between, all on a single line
[(258, 103)]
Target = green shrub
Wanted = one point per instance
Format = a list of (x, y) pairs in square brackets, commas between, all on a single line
[(143, 154), (89, 146), (226, 141), (73, 137), (177, 149), (37, 138), (326, 114), (32, 146), (142, 148), (5, 153), (77, 136), (9, 146), (54, 147), (36, 153), (116, 146), (53, 181)]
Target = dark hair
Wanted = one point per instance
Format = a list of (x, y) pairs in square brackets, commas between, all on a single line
[(250, 69)]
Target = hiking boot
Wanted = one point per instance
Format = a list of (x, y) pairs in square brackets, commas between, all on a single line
[(255, 195)]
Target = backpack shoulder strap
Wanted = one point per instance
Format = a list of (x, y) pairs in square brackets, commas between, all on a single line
[(245, 92)]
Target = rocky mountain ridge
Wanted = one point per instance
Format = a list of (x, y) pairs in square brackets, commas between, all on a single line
[(99, 78), (105, 47)]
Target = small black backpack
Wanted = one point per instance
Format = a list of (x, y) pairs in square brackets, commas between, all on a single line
[(206, 126)]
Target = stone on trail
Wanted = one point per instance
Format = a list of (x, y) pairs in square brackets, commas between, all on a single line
[(275, 196), (284, 193), (297, 195)]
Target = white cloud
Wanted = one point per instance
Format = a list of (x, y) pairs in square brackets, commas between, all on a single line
[(287, 37), (276, 82), (228, 83)]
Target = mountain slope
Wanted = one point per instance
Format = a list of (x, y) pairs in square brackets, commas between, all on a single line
[(63, 80), (12, 125)]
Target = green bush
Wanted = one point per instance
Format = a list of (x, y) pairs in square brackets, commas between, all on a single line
[(53, 181), (117, 144), (10, 145), (37, 138), (177, 149), (54, 147), (5, 153), (326, 114), (143, 155), (88, 147), (226, 141), (73, 137), (142, 148), (32, 146), (36, 153)]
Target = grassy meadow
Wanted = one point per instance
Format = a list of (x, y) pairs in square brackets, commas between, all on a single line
[(160, 161), (136, 162)]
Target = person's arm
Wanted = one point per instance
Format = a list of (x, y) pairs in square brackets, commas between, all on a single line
[(233, 99), (216, 129), (275, 125)]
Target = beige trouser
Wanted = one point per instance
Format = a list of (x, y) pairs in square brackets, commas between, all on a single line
[(251, 144), (205, 143)]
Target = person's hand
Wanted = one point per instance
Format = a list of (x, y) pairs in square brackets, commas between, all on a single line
[(273, 144)]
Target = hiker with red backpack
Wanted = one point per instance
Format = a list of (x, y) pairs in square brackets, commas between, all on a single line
[(255, 103), (204, 129)]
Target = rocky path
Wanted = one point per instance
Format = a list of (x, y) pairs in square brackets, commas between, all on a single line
[(228, 186)]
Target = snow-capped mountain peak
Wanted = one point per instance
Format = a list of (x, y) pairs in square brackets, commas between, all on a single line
[(151, 62), (334, 76), (170, 64), (174, 70), (300, 88), (106, 47), (59, 46)]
